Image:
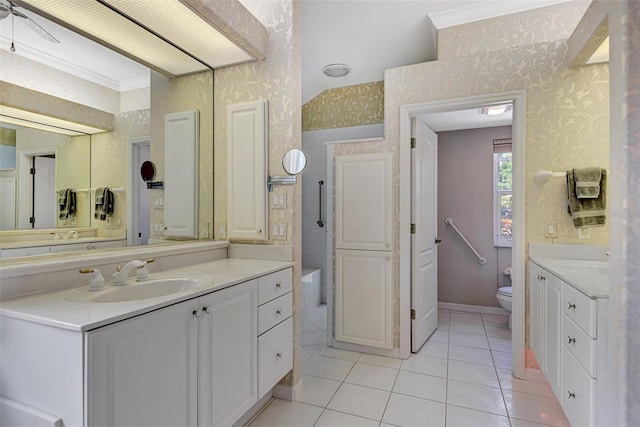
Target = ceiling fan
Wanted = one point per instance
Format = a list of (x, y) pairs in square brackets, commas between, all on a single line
[(10, 9)]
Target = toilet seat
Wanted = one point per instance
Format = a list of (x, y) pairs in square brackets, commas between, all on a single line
[(506, 291)]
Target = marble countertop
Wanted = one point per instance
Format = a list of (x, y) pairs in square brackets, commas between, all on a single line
[(591, 277), (52, 242), (61, 309)]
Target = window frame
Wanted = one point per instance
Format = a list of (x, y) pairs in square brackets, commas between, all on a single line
[(498, 240)]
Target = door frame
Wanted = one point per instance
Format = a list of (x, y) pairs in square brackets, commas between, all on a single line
[(409, 111), (132, 214), (24, 183)]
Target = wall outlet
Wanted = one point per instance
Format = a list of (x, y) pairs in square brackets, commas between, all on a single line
[(584, 233), (279, 200), (204, 231), (551, 229), (279, 231), (221, 231)]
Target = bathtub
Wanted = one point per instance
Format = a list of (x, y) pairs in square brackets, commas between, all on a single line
[(311, 287)]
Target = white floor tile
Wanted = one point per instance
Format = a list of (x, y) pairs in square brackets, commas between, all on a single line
[(435, 349), (331, 418), (522, 423), (308, 326), (467, 328), (501, 359), (494, 331), (340, 354), (439, 336), (509, 382), (313, 338), (327, 367), (387, 362), (465, 417), (470, 354), (500, 344), (317, 391), (428, 365), (422, 386), (530, 407), (411, 411), (283, 413), (372, 376), (475, 396), (468, 340), (361, 401), (499, 321), (460, 317), (473, 373)]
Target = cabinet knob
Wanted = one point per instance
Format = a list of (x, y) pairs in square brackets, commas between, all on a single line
[(572, 340), (278, 285), (387, 258), (206, 309), (571, 395), (258, 231), (279, 355), (279, 312), (388, 245), (572, 306), (196, 313)]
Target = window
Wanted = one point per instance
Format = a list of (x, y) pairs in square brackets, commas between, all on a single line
[(503, 193)]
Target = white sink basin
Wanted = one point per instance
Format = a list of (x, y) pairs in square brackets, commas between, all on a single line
[(586, 267), (154, 287)]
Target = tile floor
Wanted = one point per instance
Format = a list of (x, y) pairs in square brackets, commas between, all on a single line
[(460, 377)]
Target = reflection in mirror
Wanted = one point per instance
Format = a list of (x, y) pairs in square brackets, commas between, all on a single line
[(294, 161)]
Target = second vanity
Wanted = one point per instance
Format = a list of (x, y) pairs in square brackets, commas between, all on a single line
[(568, 327), (204, 356)]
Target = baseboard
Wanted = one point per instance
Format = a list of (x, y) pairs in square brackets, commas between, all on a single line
[(477, 309), (255, 410), (288, 392), (366, 349)]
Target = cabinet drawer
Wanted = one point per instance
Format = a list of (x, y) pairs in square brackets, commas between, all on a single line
[(17, 252), (274, 285), (578, 392), (275, 356), (274, 312), (581, 345), (579, 308)]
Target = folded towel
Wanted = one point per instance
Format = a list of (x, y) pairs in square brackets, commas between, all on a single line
[(72, 203), (63, 203), (587, 212), (104, 203), (587, 182)]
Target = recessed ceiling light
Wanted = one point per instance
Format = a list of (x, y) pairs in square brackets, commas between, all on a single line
[(336, 70), (495, 110)]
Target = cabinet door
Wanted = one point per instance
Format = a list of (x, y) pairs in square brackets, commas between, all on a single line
[(181, 168), (143, 371), (364, 202), (552, 332), (228, 354), (247, 171), (536, 312), (364, 298)]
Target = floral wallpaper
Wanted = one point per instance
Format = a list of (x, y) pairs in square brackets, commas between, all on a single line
[(345, 107)]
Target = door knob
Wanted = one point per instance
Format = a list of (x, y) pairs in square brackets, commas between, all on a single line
[(438, 241)]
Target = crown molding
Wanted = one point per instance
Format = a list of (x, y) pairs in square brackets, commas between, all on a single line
[(485, 10)]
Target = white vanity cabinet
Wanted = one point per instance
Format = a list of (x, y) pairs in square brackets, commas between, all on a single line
[(199, 362), (536, 310)]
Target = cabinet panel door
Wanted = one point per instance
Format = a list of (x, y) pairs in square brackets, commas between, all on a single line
[(364, 298), (247, 171), (275, 351), (364, 202), (228, 354), (552, 332), (181, 168), (143, 371), (536, 310)]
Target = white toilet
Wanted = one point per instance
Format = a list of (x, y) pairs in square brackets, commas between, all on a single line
[(504, 295)]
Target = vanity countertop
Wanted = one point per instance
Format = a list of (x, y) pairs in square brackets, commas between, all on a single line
[(52, 242), (56, 308), (591, 277)]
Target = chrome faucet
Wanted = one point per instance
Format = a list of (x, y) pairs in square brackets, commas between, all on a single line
[(120, 277)]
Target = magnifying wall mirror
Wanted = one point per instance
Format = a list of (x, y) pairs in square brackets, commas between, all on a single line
[(294, 161)]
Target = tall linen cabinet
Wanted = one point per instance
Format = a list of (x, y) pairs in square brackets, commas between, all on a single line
[(364, 250)]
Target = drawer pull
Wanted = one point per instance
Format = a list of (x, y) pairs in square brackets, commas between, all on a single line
[(279, 355), (571, 395), (279, 312), (196, 313), (572, 306), (572, 340), (278, 285), (206, 309)]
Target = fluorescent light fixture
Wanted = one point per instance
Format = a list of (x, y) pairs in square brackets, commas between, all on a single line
[(495, 110), (601, 54), (336, 70), (24, 118)]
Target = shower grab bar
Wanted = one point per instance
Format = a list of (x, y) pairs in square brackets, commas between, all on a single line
[(482, 260), (320, 222)]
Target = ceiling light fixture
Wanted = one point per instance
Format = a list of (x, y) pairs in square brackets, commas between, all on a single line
[(336, 70), (495, 110)]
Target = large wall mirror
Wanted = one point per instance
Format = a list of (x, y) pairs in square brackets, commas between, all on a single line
[(81, 73)]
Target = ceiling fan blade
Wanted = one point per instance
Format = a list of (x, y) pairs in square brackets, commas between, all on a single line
[(35, 27)]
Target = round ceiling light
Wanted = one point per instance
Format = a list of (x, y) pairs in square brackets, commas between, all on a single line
[(336, 70)]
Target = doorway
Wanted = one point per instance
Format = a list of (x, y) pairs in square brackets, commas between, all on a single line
[(37, 197), (139, 221), (409, 113)]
